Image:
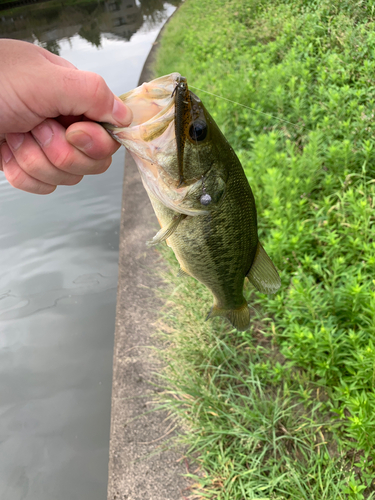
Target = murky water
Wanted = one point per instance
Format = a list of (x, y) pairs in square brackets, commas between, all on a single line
[(58, 275)]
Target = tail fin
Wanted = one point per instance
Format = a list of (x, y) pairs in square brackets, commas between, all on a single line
[(239, 318)]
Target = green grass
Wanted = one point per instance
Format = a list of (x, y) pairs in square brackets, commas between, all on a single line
[(258, 407)]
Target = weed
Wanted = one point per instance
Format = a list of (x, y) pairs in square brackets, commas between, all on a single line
[(308, 68)]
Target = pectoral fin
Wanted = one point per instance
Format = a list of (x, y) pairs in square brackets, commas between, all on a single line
[(165, 232), (263, 274)]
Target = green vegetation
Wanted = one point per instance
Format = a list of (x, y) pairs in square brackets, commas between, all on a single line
[(287, 410)]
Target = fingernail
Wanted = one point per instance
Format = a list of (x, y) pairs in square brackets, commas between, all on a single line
[(121, 113), (6, 153), (15, 140), (43, 134), (80, 140)]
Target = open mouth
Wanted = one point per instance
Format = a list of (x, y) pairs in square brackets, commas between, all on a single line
[(151, 98), (152, 105), (156, 140)]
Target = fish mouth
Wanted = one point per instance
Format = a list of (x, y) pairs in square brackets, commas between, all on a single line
[(151, 98), (154, 142), (150, 138), (152, 105)]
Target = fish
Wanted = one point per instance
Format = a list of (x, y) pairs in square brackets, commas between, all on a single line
[(199, 192)]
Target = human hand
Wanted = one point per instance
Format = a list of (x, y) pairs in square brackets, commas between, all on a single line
[(46, 104)]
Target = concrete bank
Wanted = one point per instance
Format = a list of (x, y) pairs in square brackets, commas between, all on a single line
[(140, 468)]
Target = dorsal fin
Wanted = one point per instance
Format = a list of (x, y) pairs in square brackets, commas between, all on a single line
[(263, 274)]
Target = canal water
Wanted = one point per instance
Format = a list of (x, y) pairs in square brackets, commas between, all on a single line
[(58, 273)]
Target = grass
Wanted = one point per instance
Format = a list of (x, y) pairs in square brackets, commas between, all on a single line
[(256, 426), (286, 410)]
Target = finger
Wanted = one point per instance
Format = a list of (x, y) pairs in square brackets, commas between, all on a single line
[(30, 157), (84, 93), (2, 141), (5, 154), (92, 139), (52, 139), (18, 178)]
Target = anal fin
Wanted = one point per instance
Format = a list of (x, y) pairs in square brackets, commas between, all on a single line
[(165, 232), (263, 274)]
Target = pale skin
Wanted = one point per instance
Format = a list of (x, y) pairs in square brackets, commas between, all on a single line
[(48, 110)]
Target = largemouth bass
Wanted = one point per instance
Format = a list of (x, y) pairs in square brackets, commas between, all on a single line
[(199, 192)]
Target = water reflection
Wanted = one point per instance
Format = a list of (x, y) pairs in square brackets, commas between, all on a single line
[(58, 273), (47, 24)]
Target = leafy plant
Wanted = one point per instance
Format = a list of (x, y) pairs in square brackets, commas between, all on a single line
[(304, 73)]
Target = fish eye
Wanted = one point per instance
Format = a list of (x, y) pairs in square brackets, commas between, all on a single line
[(198, 130)]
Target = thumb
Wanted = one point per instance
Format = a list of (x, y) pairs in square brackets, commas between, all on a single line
[(78, 93)]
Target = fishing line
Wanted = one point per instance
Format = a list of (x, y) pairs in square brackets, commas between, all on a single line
[(247, 107), (279, 133)]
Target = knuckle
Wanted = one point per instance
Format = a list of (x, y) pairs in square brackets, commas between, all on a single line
[(15, 176), (64, 160), (33, 166), (96, 85)]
